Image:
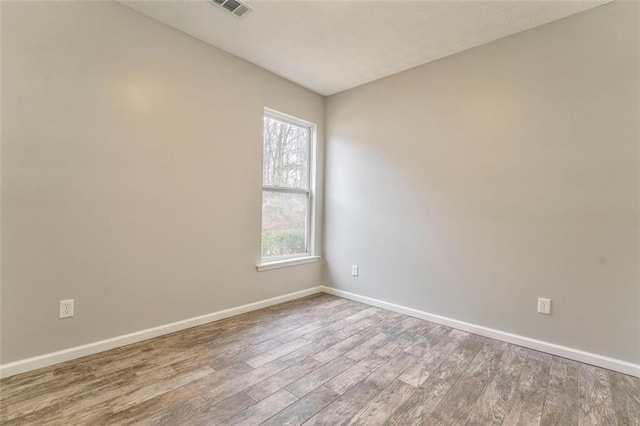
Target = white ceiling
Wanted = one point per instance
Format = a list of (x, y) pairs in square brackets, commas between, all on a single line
[(330, 46)]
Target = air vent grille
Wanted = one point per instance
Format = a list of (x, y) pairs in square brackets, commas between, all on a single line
[(241, 10), (236, 7)]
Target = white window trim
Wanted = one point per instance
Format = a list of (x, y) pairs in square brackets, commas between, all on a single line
[(285, 263), (310, 256)]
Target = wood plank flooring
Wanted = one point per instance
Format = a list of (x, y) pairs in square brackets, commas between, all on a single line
[(321, 360)]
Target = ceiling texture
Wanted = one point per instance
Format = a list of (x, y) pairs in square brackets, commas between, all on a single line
[(331, 46)]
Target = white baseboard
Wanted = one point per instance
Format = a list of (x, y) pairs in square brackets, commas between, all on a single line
[(40, 361), (562, 351), (34, 363)]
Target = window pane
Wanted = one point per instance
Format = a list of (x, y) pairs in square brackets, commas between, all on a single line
[(284, 223), (285, 154)]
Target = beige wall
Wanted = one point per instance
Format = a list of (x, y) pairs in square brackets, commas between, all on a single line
[(131, 175), (473, 185)]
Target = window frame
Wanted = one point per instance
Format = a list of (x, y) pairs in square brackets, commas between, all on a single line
[(272, 262)]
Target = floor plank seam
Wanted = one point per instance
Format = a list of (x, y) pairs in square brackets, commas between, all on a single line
[(546, 390), (515, 386)]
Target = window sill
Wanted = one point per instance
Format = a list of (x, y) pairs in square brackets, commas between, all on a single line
[(286, 263)]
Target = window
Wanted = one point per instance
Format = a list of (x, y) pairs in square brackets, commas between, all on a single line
[(287, 187)]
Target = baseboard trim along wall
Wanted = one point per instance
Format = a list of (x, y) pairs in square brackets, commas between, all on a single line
[(46, 360), (551, 348)]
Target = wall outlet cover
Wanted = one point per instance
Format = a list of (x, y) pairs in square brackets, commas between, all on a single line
[(66, 308), (544, 306)]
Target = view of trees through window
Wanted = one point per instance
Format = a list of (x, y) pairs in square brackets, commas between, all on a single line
[(286, 190)]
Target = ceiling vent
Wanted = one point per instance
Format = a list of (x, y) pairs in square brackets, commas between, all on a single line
[(235, 7)]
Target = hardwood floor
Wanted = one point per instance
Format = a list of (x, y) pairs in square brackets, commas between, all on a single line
[(321, 360)]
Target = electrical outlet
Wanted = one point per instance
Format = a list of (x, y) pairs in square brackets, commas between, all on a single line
[(544, 306), (354, 270), (66, 308)]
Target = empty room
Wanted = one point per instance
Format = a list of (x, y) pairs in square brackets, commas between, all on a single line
[(320, 212)]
